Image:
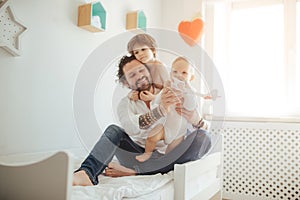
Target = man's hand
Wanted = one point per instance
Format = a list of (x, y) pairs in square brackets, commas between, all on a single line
[(146, 96), (133, 95)]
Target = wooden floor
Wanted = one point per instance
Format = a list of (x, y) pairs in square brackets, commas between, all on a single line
[(217, 196)]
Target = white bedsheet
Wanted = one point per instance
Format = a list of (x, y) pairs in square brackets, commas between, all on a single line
[(123, 187)]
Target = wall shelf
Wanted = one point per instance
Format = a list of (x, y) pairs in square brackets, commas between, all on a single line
[(136, 20), (92, 17)]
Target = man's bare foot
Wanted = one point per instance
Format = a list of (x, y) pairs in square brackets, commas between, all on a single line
[(143, 157), (81, 178), (116, 170)]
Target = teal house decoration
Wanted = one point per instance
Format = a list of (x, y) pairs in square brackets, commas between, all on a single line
[(10, 29), (136, 20), (92, 17)]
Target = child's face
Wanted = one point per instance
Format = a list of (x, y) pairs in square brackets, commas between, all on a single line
[(182, 71), (143, 53)]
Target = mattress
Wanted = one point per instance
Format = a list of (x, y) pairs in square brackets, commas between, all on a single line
[(165, 192), (146, 187)]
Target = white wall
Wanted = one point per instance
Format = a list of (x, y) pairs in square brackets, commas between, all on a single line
[(36, 113), (175, 11), (36, 88)]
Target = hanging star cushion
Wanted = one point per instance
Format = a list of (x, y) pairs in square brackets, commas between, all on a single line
[(10, 29)]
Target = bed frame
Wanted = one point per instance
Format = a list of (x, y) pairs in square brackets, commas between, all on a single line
[(198, 180), (51, 179), (48, 179)]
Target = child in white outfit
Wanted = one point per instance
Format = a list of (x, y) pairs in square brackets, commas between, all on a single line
[(174, 127)]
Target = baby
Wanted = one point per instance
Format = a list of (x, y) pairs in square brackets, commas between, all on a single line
[(174, 128)]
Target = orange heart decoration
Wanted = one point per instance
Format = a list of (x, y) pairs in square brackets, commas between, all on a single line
[(192, 31)]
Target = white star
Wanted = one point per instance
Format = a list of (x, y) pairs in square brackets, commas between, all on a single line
[(10, 29)]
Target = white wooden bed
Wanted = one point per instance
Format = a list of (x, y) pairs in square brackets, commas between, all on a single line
[(198, 179), (51, 178)]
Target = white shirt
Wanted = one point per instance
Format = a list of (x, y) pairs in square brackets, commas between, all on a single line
[(128, 112)]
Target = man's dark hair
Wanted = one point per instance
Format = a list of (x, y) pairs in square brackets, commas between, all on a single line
[(123, 61)]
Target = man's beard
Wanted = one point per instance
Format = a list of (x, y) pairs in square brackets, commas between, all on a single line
[(144, 86)]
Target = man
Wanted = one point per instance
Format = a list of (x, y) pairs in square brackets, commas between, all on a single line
[(136, 118)]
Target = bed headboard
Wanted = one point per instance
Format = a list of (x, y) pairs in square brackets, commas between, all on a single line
[(48, 179)]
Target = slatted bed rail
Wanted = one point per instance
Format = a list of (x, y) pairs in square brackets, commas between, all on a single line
[(197, 179)]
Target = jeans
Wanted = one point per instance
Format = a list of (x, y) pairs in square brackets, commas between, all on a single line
[(116, 142)]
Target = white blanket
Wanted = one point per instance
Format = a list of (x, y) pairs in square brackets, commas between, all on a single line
[(122, 187)]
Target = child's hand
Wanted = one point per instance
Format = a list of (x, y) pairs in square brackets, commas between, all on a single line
[(133, 95), (147, 96), (208, 97), (213, 95)]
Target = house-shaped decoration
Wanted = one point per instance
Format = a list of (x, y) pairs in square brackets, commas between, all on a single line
[(10, 29), (92, 17), (136, 20)]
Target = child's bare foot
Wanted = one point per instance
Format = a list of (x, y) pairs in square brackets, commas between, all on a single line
[(116, 170), (143, 157), (81, 178)]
